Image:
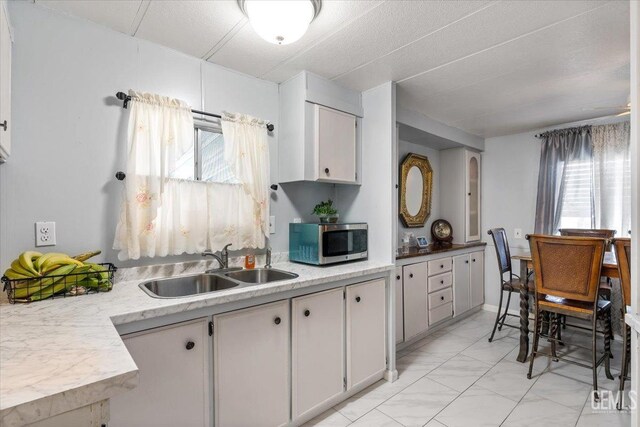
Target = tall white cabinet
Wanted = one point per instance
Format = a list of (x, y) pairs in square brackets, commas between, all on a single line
[(5, 84), (173, 363), (460, 192)]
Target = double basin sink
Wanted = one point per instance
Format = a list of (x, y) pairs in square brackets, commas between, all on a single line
[(213, 281)]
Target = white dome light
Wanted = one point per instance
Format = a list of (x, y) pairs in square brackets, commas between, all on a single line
[(280, 21)]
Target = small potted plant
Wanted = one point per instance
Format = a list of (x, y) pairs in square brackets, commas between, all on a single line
[(326, 212)]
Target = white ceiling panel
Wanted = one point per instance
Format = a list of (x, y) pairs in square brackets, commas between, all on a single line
[(260, 57), (499, 23), (193, 27), (119, 15), (388, 27)]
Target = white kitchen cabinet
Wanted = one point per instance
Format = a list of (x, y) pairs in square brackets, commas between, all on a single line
[(366, 358), (251, 366), (460, 183), (414, 277), (461, 285), (5, 84), (173, 388), (317, 349), (399, 306), (468, 281), (335, 142), (319, 136), (476, 278)]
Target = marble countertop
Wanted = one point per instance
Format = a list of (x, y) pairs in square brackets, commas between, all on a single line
[(63, 354), (414, 251)]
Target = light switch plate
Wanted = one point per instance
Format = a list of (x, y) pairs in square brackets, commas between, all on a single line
[(297, 220), (517, 233), (272, 224), (45, 233)]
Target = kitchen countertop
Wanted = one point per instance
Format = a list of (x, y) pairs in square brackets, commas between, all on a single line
[(414, 251), (63, 354)]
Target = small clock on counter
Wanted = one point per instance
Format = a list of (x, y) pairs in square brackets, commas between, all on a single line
[(442, 233)]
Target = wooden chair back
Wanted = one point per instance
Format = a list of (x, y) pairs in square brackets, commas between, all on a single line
[(622, 246), (590, 232), (502, 249), (567, 267)]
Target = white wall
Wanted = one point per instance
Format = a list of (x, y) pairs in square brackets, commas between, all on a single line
[(373, 201), (405, 148), (69, 134)]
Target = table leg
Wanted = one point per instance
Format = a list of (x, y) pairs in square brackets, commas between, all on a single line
[(524, 313)]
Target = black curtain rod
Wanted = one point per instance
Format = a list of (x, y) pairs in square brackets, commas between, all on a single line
[(126, 98)]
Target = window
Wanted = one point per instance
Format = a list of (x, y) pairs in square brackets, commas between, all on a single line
[(576, 192), (205, 162)]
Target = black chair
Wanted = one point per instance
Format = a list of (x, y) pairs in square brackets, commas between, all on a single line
[(510, 284)]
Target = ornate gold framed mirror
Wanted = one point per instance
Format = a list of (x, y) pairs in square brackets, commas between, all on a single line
[(416, 180)]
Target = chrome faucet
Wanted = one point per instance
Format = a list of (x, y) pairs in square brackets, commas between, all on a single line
[(223, 258), (267, 263)]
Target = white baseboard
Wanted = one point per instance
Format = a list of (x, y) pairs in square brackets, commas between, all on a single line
[(494, 309)]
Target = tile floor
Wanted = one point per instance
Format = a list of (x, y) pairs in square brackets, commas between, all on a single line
[(456, 378)]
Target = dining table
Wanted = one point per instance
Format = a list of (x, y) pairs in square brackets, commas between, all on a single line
[(609, 269)]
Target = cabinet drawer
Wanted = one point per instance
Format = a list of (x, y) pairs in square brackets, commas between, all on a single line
[(439, 298), (440, 281), (441, 265), (440, 313)]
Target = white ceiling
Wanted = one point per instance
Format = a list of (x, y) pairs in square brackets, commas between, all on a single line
[(487, 67)]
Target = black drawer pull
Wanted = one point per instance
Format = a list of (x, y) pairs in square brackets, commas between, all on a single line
[(190, 345), (442, 282), (307, 313), (277, 320), (441, 265), (411, 276), (466, 261), (397, 277), (441, 298), (357, 299), (326, 170), (474, 260)]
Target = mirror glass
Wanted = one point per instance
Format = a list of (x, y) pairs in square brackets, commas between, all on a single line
[(414, 190)]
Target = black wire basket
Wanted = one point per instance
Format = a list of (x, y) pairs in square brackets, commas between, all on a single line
[(60, 286)]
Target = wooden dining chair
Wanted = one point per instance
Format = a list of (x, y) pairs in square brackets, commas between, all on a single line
[(622, 247), (509, 284), (567, 271)]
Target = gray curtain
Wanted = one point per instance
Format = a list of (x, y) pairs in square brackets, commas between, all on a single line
[(558, 148)]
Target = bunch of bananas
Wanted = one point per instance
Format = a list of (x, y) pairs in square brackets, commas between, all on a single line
[(37, 276)]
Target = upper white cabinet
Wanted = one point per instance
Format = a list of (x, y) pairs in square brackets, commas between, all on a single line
[(5, 84), (319, 136), (174, 367), (460, 192), (251, 367), (366, 358), (317, 349)]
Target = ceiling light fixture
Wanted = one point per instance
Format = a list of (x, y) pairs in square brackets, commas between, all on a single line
[(280, 21)]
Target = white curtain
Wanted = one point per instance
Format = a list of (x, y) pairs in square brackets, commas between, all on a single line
[(163, 216), (247, 153), (612, 177)]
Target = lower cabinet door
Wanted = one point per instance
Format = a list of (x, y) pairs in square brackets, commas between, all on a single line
[(173, 388), (415, 299), (251, 367), (366, 357), (317, 323), (461, 291), (476, 276), (399, 306)]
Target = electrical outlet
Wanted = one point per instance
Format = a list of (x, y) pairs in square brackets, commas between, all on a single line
[(45, 233), (517, 233), (297, 220), (272, 224)]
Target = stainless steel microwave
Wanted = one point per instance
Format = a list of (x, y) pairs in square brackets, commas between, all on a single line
[(321, 244)]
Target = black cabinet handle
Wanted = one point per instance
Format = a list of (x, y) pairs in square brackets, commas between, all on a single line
[(357, 299), (441, 265), (411, 276), (441, 298), (4, 125), (474, 260), (468, 194), (307, 313), (277, 321), (397, 277), (190, 345), (442, 282), (326, 170), (466, 261)]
